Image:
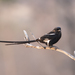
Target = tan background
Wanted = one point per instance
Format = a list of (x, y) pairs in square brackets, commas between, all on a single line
[(39, 17)]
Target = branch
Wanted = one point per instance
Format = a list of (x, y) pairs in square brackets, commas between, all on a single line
[(53, 48), (35, 39)]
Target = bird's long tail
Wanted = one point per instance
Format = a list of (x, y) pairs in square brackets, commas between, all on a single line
[(17, 42)]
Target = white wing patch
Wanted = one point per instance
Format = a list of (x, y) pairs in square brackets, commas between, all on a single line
[(47, 41), (51, 34)]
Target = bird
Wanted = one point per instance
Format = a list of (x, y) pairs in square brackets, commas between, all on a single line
[(49, 39)]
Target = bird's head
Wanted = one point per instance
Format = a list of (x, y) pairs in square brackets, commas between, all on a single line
[(57, 29)]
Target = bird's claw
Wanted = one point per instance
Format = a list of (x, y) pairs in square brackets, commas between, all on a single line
[(44, 47), (54, 47)]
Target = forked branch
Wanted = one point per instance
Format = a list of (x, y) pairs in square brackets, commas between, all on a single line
[(40, 47)]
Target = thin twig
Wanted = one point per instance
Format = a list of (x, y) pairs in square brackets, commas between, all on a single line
[(26, 36), (37, 41)]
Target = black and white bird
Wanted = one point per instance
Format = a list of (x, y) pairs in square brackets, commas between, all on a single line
[(48, 39)]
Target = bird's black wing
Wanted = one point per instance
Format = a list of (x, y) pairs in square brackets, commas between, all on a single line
[(50, 35)]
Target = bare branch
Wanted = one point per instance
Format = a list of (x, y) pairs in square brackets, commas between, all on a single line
[(53, 48), (37, 41), (26, 36)]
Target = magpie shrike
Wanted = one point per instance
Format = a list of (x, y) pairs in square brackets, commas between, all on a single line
[(48, 39)]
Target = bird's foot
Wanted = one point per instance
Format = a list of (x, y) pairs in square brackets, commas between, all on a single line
[(44, 47), (51, 46), (54, 47)]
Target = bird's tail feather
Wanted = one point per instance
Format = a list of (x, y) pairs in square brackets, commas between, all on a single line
[(16, 42)]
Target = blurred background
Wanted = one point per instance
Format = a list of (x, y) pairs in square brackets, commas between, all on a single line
[(38, 17)]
